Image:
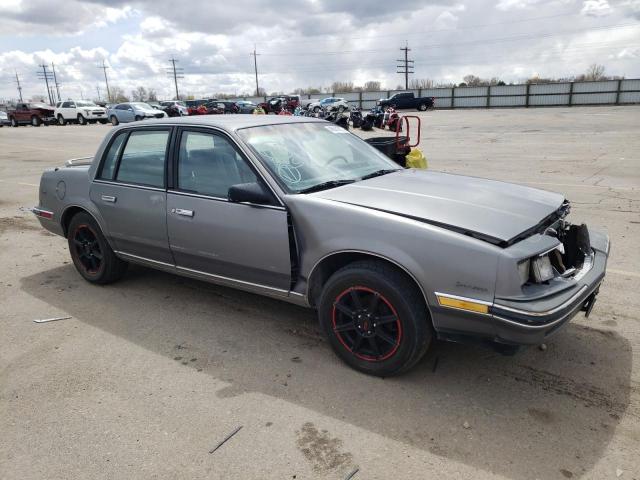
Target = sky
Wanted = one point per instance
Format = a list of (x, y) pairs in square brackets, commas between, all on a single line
[(303, 43)]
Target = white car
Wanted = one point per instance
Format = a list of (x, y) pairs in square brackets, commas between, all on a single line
[(179, 104), (340, 103), (81, 111)]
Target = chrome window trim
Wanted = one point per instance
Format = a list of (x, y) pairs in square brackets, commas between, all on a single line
[(225, 200)]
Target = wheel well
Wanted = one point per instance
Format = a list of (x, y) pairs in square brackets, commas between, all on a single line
[(331, 264), (68, 214)]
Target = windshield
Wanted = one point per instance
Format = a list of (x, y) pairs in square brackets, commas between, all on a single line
[(143, 106), (85, 104), (303, 155)]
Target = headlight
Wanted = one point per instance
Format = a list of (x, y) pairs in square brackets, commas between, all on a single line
[(524, 269), (542, 268)]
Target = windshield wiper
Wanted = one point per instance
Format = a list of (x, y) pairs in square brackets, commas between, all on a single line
[(325, 185), (379, 173)]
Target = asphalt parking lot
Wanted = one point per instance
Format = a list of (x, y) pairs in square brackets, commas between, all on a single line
[(152, 372)]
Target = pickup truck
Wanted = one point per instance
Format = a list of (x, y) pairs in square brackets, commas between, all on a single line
[(31, 113), (408, 100)]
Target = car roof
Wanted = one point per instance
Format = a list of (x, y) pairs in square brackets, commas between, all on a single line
[(233, 122)]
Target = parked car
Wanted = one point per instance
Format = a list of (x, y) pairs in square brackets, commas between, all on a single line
[(180, 106), (34, 113), (4, 119), (408, 100), (80, 111), (297, 209), (340, 103), (246, 106), (197, 107), (229, 107), (133, 112)]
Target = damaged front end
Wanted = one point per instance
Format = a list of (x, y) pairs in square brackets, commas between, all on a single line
[(547, 278)]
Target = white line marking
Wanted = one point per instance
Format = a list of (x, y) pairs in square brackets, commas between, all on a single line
[(21, 183)]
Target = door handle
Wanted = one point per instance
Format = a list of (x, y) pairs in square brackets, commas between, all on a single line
[(109, 198), (183, 212)]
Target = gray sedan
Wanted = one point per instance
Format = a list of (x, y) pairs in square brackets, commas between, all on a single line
[(303, 211), (132, 112)]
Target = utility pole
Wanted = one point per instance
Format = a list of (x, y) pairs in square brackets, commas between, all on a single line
[(106, 80), (19, 86), (255, 66), (176, 72), (55, 80), (47, 75), (407, 68), (98, 90)]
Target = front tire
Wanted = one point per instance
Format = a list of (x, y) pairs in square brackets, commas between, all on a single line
[(375, 318), (81, 120), (91, 254), (61, 120), (35, 121), (422, 107), (138, 118)]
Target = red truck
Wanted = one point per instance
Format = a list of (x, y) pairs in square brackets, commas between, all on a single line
[(35, 113)]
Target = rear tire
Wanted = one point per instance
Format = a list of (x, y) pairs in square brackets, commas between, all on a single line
[(114, 121), (91, 254), (14, 123), (61, 120), (375, 318)]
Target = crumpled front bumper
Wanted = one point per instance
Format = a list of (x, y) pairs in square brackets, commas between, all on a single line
[(532, 322)]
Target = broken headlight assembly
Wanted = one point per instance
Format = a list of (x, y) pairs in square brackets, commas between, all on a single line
[(536, 270)]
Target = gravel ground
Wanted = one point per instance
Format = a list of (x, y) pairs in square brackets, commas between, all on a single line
[(151, 373)]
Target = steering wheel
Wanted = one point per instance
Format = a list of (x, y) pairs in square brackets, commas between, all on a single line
[(334, 158)]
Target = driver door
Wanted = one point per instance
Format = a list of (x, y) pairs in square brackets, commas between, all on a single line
[(239, 244)]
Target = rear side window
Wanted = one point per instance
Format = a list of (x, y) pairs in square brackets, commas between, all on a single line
[(110, 159), (143, 158)]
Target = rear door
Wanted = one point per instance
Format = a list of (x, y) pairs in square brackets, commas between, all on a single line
[(129, 191), (241, 243)]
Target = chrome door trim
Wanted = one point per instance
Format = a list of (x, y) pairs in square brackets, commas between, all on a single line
[(220, 199), (143, 259), (233, 281), (130, 185)]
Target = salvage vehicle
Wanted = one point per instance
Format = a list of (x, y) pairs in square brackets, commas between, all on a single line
[(133, 112), (245, 106), (340, 103), (35, 113), (80, 111), (176, 105), (408, 100), (281, 102), (4, 118), (303, 211)]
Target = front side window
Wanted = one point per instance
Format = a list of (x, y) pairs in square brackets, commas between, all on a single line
[(304, 155), (208, 164), (143, 158)]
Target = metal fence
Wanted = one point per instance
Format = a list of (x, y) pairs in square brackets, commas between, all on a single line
[(607, 92)]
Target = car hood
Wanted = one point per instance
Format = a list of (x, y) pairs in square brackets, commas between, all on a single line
[(494, 211)]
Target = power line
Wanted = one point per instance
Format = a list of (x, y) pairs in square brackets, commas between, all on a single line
[(106, 80), (255, 67), (176, 72), (406, 69)]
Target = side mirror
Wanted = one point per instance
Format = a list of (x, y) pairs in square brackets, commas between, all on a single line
[(251, 193)]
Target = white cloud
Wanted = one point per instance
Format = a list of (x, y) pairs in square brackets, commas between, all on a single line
[(596, 8)]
